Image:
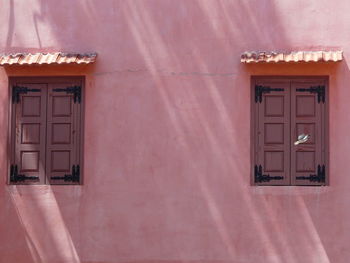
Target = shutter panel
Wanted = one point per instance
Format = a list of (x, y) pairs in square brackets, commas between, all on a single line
[(307, 117), (63, 135), (28, 136), (272, 134)]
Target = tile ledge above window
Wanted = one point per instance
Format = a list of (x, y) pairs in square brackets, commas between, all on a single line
[(47, 58), (295, 56)]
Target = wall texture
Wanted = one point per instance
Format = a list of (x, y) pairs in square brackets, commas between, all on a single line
[(167, 134)]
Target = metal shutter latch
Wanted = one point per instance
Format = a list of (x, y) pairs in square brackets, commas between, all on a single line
[(75, 90), (259, 90), (16, 177), (320, 90), (259, 177), (74, 177), (17, 90), (320, 177)]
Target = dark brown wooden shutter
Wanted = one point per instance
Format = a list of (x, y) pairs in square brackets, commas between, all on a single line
[(63, 134), (272, 133), (28, 136), (308, 159)]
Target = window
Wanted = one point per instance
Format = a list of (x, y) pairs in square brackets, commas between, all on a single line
[(289, 131), (46, 130)]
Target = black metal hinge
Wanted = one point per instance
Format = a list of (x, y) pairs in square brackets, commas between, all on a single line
[(259, 90), (320, 177), (74, 177), (15, 177), (75, 90), (320, 90), (17, 90), (260, 177)]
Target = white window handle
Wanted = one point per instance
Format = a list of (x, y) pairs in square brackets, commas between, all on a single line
[(302, 138)]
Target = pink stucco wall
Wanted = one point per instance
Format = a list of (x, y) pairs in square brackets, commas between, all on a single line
[(167, 134)]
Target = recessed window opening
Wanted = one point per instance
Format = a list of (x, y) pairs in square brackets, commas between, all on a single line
[(289, 131), (46, 130)]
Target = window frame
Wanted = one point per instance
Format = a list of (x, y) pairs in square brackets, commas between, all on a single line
[(253, 123), (12, 80)]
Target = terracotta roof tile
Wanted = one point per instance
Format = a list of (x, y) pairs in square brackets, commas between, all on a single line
[(298, 56), (47, 58)]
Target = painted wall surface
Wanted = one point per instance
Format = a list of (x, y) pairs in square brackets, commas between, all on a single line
[(167, 134)]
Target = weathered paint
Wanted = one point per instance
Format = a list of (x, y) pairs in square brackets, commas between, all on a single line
[(167, 134)]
